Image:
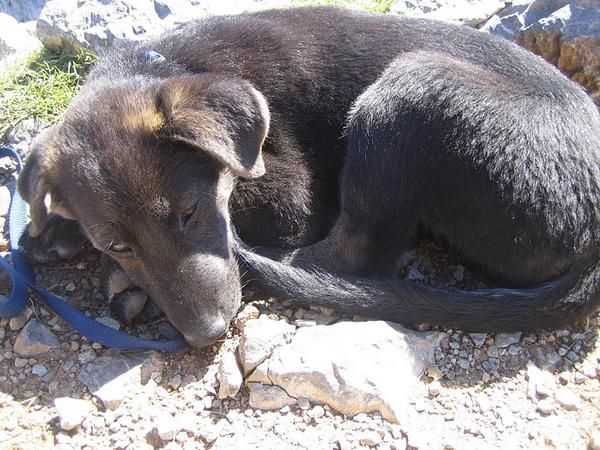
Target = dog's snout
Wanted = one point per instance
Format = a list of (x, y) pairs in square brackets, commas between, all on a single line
[(207, 335)]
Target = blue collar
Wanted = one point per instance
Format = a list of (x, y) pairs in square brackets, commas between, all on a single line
[(153, 56)]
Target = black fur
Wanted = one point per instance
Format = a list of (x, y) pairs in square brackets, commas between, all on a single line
[(378, 126)]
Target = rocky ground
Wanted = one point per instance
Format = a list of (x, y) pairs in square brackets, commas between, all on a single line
[(462, 391)]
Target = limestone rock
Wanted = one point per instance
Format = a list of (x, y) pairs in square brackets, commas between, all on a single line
[(230, 376), (114, 376), (17, 40), (259, 338), (99, 24), (72, 412), (457, 11), (565, 33), (353, 367), (35, 339)]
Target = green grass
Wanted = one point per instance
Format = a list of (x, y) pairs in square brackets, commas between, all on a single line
[(43, 86), (375, 6)]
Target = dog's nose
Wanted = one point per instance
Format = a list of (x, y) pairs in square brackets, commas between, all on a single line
[(208, 334)]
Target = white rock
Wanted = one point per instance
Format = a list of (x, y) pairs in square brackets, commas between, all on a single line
[(72, 412), (567, 399), (229, 376), (353, 367), (99, 24), (114, 376), (4, 197), (457, 11), (259, 338), (17, 40), (166, 426)]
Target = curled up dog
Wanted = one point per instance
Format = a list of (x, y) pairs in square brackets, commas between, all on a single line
[(326, 139)]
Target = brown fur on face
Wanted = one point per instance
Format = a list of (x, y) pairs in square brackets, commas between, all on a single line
[(152, 167)]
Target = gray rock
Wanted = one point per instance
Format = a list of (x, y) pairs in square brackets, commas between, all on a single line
[(39, 370), (503, 340), (24, 133), (259, 338), (456, 11), (35, 339), (268, 398), (335, 365), (544, 356), (72, 412), (99, 24), (229, 376), (109, 322), (114, 376), (478, 339), (22, 11)]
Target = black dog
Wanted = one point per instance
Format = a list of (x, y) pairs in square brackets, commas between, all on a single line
[(371, 127)]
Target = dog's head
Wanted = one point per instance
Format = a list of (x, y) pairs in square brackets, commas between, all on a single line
[(147, 168)]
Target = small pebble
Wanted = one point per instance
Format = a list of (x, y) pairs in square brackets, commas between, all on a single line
[(39, 370)]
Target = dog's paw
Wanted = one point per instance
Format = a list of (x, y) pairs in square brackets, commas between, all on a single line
[(128, 302), (61, 239)]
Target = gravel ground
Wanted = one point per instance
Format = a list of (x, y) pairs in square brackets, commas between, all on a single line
[(510, 390)]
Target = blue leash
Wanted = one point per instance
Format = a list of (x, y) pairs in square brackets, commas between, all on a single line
[(23, 279)]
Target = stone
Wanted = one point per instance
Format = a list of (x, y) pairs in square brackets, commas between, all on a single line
[(35, 339), (544, 356), (72, 412), (247, 313), (259, 338), (166, 426), (469, 12), (109, 322), (39, 370), (100, 24), (545, 406), (268, 398), (22, 11), (229, 376), (478, 339), (565, 33), (22, 135), (594, 442), (114, 376), (18, 322), (353, 367), (4, 200), (567, 399), (17, 40), (503, 340), (370, 438)]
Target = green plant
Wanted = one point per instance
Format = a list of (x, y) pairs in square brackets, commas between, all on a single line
[(376, 6), (43, 86)]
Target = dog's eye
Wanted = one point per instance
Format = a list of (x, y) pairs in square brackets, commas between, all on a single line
[(118, 247), (187, 214)]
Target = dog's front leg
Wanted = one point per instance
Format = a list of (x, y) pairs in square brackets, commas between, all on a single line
[(128, 302)]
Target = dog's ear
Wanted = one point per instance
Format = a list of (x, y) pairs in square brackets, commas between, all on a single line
[(227, 118), (34, 186)]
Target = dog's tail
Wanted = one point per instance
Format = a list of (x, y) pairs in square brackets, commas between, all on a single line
[(549, 305)]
